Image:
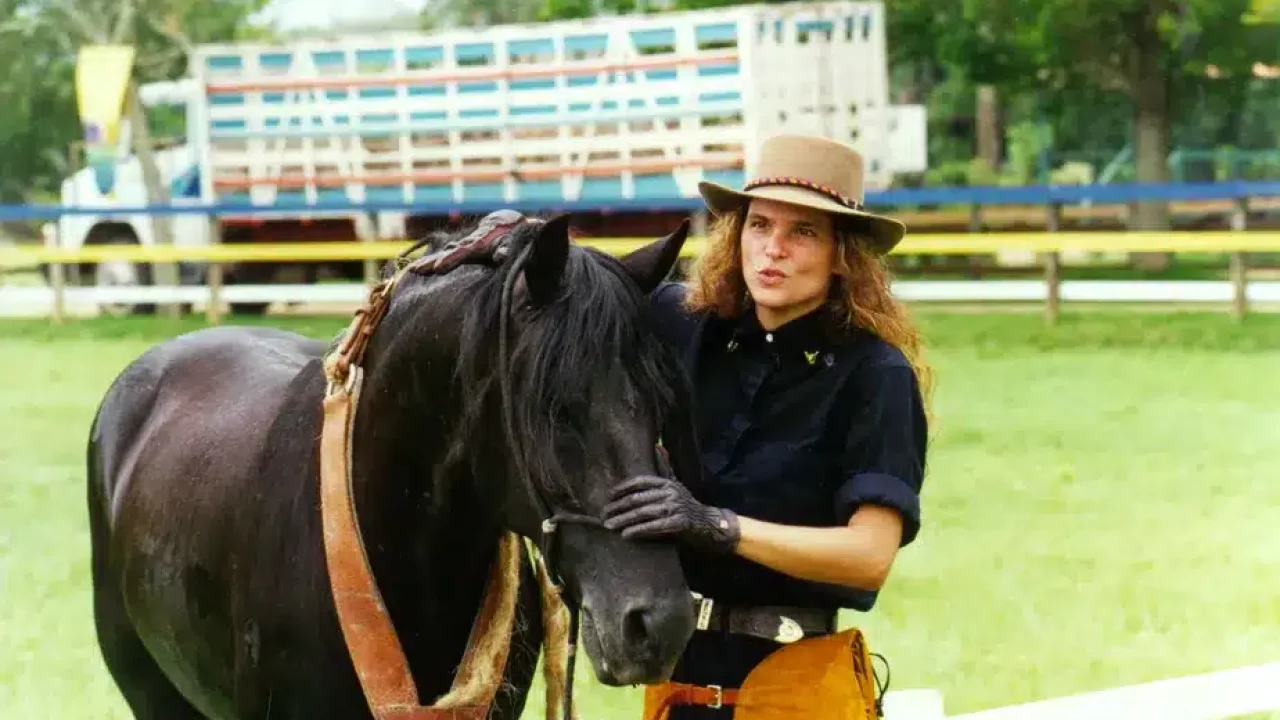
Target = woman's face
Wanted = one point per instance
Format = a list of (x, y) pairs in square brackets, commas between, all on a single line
[(788, 257)]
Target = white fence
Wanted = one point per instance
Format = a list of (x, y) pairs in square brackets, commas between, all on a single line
[(1211, 696)]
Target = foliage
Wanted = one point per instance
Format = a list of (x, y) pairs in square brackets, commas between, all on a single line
[(479, 13), (37, 117), (1070, 70), (38, 46), (1092, 67)]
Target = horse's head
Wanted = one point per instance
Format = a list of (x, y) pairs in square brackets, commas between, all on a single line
[(576, 392)]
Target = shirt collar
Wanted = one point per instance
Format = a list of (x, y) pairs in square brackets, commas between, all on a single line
[(809, 336)]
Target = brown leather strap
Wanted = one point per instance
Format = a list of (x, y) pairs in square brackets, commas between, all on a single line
[(356, 340), (375, 650), (371, 639), (675, 693)]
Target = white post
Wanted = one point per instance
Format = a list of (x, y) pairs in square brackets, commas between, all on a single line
[(57, 273)]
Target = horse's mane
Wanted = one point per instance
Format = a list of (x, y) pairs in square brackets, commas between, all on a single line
[(596, 330)]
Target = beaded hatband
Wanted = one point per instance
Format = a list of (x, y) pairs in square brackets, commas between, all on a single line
[(806, 184)]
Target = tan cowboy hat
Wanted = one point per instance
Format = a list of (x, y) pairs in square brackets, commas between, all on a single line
[(813, 172)]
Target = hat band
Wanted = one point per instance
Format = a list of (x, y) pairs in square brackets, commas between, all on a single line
[(806, 184)]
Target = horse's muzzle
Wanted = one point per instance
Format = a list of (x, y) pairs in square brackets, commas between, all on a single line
[(639, 642)]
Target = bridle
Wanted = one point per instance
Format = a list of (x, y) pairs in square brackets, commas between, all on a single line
[(551, 520)]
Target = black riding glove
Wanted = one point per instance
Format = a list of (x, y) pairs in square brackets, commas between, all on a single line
[(652, 507)]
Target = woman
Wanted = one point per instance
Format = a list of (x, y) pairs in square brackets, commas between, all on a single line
[(811, 417)]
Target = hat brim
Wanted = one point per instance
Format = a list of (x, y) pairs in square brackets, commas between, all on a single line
[(885, 232)]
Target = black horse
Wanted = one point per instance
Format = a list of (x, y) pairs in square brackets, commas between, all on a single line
[(211, 594)]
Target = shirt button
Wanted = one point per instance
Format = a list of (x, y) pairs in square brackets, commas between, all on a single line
[(768, 337)]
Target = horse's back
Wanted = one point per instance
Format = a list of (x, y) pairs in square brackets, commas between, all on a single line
[(208, 396)]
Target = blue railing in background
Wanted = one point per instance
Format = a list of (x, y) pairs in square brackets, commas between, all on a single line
[(901, 198)]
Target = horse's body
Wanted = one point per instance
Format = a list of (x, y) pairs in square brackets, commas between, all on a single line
[(211, 594)]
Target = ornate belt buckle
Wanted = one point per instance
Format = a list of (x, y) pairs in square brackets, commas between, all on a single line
[(789, 630)]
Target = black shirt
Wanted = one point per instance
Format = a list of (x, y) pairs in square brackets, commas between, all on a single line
[(798, 426)]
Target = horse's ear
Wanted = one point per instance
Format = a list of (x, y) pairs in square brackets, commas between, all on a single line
[(543, 271), (651, 264)]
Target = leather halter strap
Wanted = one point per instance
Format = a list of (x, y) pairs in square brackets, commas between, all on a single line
[(370, 636)]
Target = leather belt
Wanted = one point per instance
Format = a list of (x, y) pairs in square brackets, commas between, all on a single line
[(781, 624)]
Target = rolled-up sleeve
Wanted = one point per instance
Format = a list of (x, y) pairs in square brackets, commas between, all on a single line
[(885, 449)]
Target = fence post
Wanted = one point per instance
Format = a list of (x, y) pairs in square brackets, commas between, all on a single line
[(213, 276), (1052, 268), (57, 274), (370, 266), (1239, 268)]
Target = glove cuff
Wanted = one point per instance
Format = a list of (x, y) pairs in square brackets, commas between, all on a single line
[(723, 530)]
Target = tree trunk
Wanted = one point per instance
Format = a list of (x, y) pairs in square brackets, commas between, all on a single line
[(157, 193), (1150, 83), (989, 127)]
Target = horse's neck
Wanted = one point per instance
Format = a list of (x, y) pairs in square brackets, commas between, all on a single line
[(430, 543)]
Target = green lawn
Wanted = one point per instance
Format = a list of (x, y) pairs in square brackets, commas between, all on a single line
[(1102, 508)]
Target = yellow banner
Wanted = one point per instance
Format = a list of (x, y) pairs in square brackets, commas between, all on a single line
[(103, 73), (102, 76)]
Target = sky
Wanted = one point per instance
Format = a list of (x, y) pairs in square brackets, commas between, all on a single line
[(295, 14)]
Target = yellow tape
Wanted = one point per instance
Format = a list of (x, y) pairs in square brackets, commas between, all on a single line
[(932, 244), (1121, 242)]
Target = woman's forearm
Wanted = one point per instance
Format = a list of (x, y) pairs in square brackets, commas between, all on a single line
[(858, 555)]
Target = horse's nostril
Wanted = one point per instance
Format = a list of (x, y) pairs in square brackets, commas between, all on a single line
[(636, 628)]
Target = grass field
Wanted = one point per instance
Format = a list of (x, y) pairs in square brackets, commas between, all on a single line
[(1102, 509)]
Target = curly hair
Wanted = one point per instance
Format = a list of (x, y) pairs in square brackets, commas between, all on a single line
[(860, 296)]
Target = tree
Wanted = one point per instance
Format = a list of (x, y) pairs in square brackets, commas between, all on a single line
[(483, 13), (38, 117), (1152, 52), (479, 13)]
